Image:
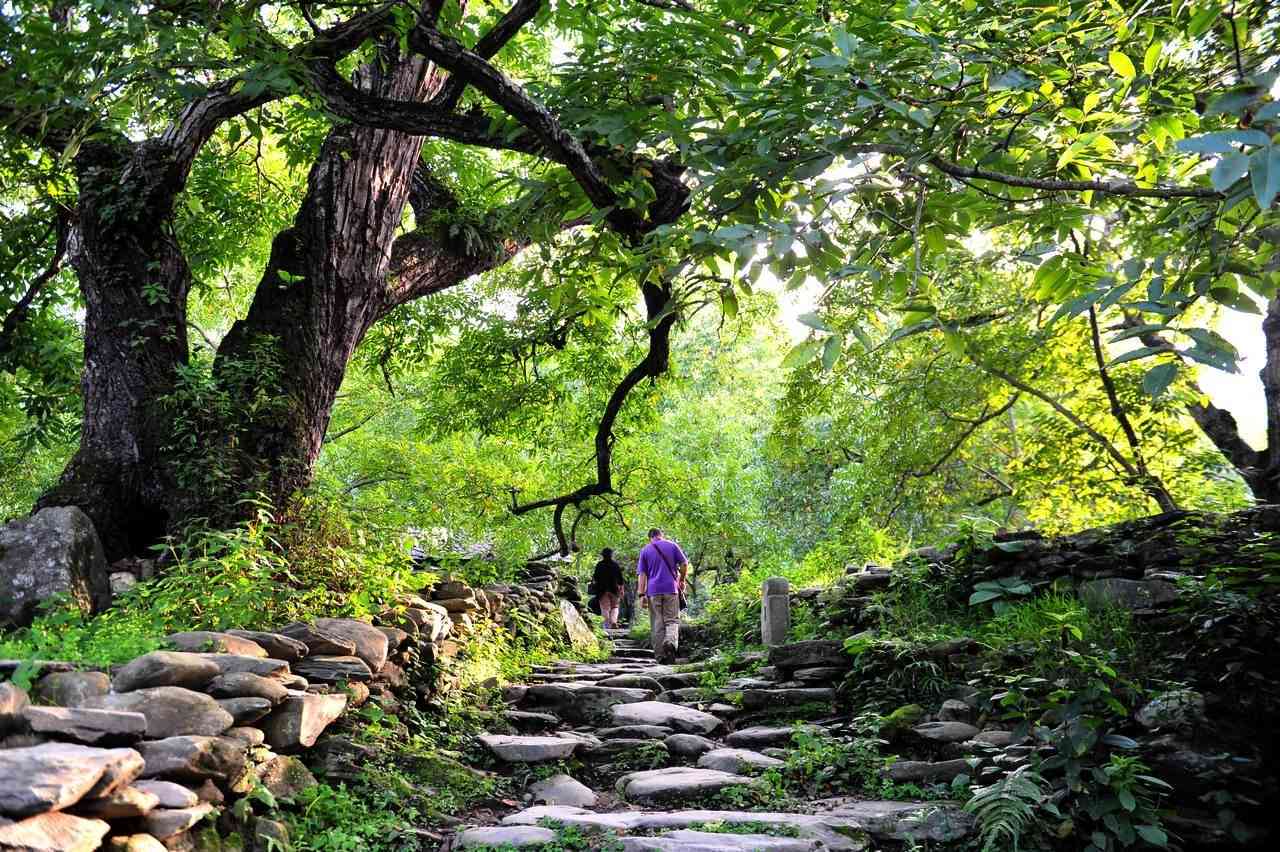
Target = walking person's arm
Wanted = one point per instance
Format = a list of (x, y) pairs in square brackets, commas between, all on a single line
[(642, 583)]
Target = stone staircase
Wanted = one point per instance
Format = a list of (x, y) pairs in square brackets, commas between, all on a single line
[(673, 767)]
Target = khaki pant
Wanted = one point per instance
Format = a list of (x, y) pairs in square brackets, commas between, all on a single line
[(664, 623), (609, 608)]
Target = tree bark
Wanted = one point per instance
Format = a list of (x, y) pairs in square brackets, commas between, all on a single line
[(135, 281)]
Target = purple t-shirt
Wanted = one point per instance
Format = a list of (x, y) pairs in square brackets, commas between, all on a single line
[(660, 561)]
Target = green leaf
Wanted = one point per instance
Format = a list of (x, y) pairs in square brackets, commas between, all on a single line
[(984, 596), (1264, 171), (801, 354), (1135, 354), (729, 302), (1158, 378), (1229, 169), (831, 351), (1153, 835), (1122, 65), (1222, 141), (1151, 57), (814, 321)]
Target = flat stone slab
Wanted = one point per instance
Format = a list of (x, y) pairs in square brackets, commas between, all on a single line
[(168, 794), (515, 749), (688, 745), (635, 681), (919, 770), (945, 732), (334, 669), (563, 790), (762, 736), (87, 726), (221, 643), (837, 834), (170, 710), (53, 832), (54, 776), (634, 732), (276, 645), (503, 837), (684, 719), (686, 840), (737, 760), (530, 719), (300, 720), (815, 652), (676, 784), (164, 668), (939, 822), (763, 699)]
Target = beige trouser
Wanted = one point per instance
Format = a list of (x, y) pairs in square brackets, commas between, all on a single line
[(609, 608), (664, 622)]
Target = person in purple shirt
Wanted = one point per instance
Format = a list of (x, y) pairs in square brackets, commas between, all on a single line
[(662, 569)]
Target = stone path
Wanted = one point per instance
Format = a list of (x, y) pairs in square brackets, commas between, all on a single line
[(668, 761)]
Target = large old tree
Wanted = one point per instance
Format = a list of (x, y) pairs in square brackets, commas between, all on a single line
[(683, 147)]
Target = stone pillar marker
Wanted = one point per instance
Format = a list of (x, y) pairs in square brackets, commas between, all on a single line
[(775, 611)]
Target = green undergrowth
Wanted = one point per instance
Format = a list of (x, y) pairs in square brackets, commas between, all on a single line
[(263, 573)]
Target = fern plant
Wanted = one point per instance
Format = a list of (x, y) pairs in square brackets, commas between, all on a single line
[(1006, 809)]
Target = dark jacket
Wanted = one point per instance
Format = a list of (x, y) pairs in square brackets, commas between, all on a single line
[(607, 577)]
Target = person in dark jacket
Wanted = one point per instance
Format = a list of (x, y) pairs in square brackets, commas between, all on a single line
[(608, 584)]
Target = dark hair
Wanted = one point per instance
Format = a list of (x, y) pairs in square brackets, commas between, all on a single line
[(654, 532), (607, 553)]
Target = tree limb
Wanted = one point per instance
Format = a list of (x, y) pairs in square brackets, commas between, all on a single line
[(18, 313), (1155, 487), (487, 47)]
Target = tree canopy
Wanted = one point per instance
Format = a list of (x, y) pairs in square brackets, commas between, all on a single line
[(514, 272)]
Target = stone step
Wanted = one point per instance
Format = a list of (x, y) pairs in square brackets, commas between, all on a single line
[(681, 784), (688, 840), (835, 833), (530, 749), (674, 716), (633, 654)]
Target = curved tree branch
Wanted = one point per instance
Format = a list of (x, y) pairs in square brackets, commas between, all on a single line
[(9, 327), (657, 299)]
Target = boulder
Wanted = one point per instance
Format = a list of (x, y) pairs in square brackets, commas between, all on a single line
[(370, 643), (285, 776), (120, 582), (13, 701), (737, 760), (688, 745), (396, 638), (164, 668), (170, 710), (52, 833), (685, 719), (247, 685), (164, 823), (276, 645), (245, 711), (193, 758), (300, 720), (761, 736), (810, 653), (459, 605), (92, 727), (820, 674), (319, 641), (1175, 710), (447, 589), (125, 803), (55, 776), (270, 835), (168, 794), (53, 552), (563, 790), (529, 721), (220, 643), (1128, 594), (580, 635), (333, 669), (682, 784), (71, 689), (955, 710), (517, 749)]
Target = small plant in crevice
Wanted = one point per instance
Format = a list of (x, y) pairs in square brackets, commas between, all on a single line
[(1007, 810)]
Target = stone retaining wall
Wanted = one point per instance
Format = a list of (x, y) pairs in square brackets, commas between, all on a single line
[(139, 758)]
